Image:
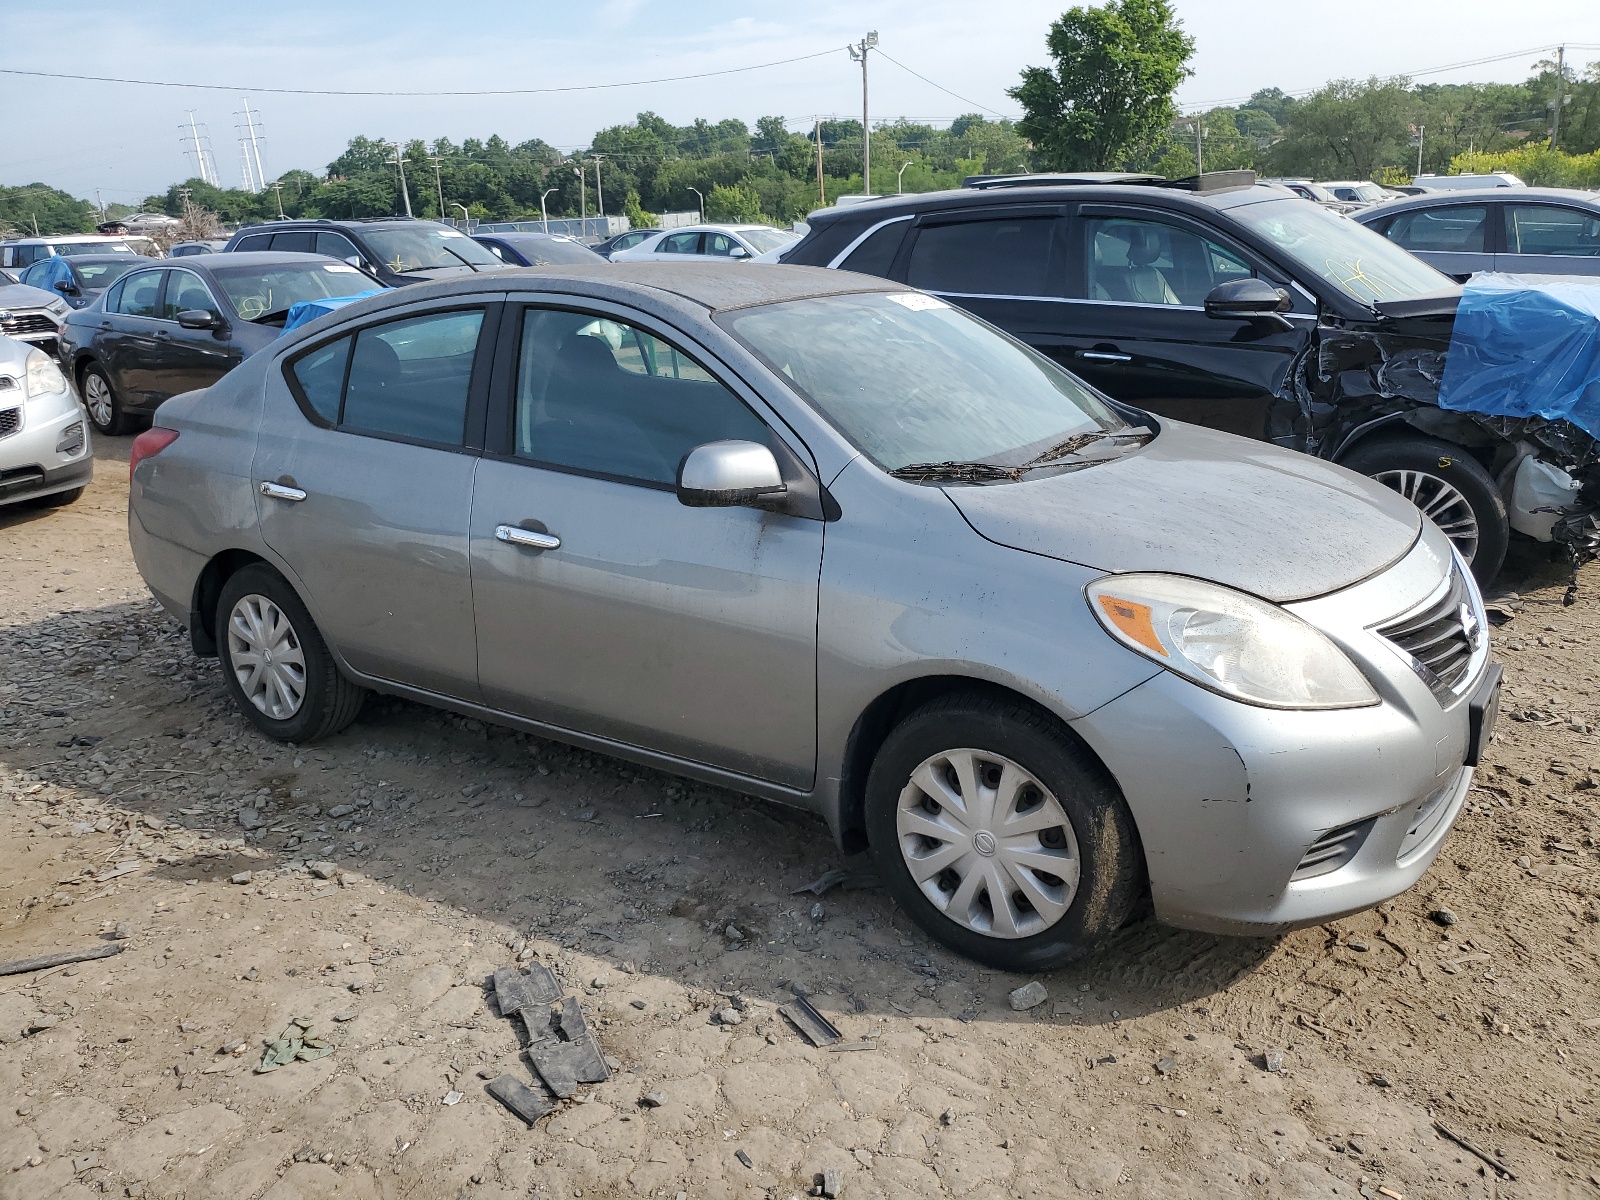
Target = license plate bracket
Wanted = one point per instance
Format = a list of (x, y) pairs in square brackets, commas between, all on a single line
[(1483, 711)]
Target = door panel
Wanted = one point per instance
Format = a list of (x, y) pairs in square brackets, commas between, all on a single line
[(187, 359), (1453, 238), (1550, 239), (690, 631), (128, 339)]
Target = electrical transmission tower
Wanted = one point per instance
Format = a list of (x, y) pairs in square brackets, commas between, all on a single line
[(197, 145)]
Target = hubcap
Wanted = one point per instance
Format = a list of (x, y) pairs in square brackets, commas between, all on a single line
[(1441, 503), (988, 844), (265, 654), (97, 396)]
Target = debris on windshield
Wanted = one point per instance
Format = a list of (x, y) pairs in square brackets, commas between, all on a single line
[(956, 472), (1078, 441)]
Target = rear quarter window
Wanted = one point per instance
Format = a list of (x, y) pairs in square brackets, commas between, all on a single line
[(876, 254), (254, 241)]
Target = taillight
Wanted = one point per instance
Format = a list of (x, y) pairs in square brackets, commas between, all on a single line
[(151, 441)]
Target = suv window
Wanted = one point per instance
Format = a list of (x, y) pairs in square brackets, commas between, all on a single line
[(1005, 256), (1150, 262), (602, 396), (336, 245), (1458, 229), (186, 291), (680, 243), (1547, 229), (139, 294), (298, 241), (876, 255), (407, 379), (255, 241)]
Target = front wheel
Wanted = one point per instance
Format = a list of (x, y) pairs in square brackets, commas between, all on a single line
[(275, 663), (100, 398), (1000, 835), (1450, 487)]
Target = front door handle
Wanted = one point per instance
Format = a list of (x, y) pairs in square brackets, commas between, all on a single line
[(530, 538), (1104, 356), (278, 491)]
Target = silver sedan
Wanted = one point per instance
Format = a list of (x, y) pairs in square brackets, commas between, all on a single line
[(825, 540), (44, 440)]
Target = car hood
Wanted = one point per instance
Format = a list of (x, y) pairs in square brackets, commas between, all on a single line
[(1279, 525), (20, 295), (431, 273)]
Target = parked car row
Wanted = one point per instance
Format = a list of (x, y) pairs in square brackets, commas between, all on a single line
[(1537, 231)]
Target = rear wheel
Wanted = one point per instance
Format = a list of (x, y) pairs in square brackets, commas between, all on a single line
[(275, 663), (1000, 835), (1450, 487), (100, 398)]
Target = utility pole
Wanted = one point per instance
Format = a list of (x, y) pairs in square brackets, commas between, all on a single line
[(583, 197), (101, 204), (822, 189), (858, 53), (399, 160), (255, 147), (1421, 130), (438, 184), (599, 191), (543, 215), (899, 179), (1561, 87), (277, 188), (1199, 146), (702, 210), (207, 172)]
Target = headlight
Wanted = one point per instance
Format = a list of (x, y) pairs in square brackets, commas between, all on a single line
[(58, 308), (1228, 641), (44, 377)]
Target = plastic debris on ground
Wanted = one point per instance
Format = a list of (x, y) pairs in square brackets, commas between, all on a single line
[(299, 1041), (561, 1048)]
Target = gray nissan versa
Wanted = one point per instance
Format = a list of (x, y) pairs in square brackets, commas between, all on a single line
[(831, 541)]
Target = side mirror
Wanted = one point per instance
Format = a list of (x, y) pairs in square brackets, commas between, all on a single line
[(1251, 299), (728, 475), (738, 252), (66, 287), (198, 318)]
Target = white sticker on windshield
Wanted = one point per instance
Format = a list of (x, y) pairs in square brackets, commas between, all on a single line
[(340, 269), (449, 233), (917, 302)]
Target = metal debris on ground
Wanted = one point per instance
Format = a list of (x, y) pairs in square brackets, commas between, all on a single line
[(1503, 1171), (22, 966), (299, 1040), (521, 1099), (813, 1026), (850, 881), (744, 1158), (561, 1048), (569, 1055)]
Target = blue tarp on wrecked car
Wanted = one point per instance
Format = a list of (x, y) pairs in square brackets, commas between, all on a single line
[(1526, 346), (307, 311)]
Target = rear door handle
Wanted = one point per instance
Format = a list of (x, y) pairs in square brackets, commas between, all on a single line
[(530, 538), (278, 491), (1104, 356)]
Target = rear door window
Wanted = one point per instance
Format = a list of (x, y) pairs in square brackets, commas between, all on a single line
[(995, 256), (1456, 229), (301, 241), (679, 243), (1549, 229)]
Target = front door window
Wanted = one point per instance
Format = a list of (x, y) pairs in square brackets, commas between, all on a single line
[(1138, 261)]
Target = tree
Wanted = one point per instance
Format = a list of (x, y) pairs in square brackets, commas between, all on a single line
[(1348, 130), (51, 209), (1109, 96), (738, 203)]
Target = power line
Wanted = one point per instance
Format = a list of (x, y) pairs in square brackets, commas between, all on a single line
[(941, 87), (585, 87)]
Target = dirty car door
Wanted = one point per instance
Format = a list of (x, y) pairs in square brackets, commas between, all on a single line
[(364, 472), (606, 606), (1137, 328)]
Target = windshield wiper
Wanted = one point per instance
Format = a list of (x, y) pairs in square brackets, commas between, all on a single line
[(956, 472), (1078, 441)]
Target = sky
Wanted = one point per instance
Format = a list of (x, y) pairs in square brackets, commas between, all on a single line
[(125, 140)]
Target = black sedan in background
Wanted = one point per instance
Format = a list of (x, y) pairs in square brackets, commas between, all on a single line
[(169, 328), (81, 277), (536, 249), (622, 241)]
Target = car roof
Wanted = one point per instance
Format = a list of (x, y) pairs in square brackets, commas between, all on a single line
[(113, 257), (1458, 196), (530, 235), (254, 258), (58, 239)]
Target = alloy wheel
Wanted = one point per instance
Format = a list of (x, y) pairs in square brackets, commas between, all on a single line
[(264, 652), (97, 398), (987, 843), (1441, 503)]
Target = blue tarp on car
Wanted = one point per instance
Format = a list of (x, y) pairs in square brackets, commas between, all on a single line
[(1526, 346), (54, 271), (307, 311)]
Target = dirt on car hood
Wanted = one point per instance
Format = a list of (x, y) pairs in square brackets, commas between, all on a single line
[(1280, 525)]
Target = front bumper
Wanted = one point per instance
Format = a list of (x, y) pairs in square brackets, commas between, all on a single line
[(1257, 821), (48, 449)]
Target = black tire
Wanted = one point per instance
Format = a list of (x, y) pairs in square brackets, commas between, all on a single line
[(1110, 858), (118, 420), (329, 701), (1391, 461), (60, 499)]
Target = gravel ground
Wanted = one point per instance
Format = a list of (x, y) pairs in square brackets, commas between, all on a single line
[(372, 884)]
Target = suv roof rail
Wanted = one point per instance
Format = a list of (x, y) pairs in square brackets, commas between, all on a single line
[(1210, 182)]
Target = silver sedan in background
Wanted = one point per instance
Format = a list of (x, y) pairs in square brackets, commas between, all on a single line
[(44, 437), (822, 539)]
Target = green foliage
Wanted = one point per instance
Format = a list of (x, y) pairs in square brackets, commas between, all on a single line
[(741, 202), (1538, 166), (1109, 96), (1347, 130), (51, 209)]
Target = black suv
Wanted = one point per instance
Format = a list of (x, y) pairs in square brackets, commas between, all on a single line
[(1230, 304), (398, 250)]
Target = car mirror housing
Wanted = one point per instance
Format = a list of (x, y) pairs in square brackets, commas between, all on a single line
[(1246, 298), (728, 475), (66, 287), (199, 318)]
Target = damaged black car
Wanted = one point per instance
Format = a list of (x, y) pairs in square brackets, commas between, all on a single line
[(1237, 305)]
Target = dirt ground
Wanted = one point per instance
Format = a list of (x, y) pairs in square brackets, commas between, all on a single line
[(1324, 1063)]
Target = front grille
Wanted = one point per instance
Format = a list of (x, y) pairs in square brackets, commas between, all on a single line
[(1440, 639), (10, 421), (1333, 850), (19, 323)]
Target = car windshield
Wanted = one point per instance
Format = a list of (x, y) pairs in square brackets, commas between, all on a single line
[(544, 252), (767, 239), (1364, 265), (424, 247), (111, 246), (258, 292), (102, 274), (912, 381)]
